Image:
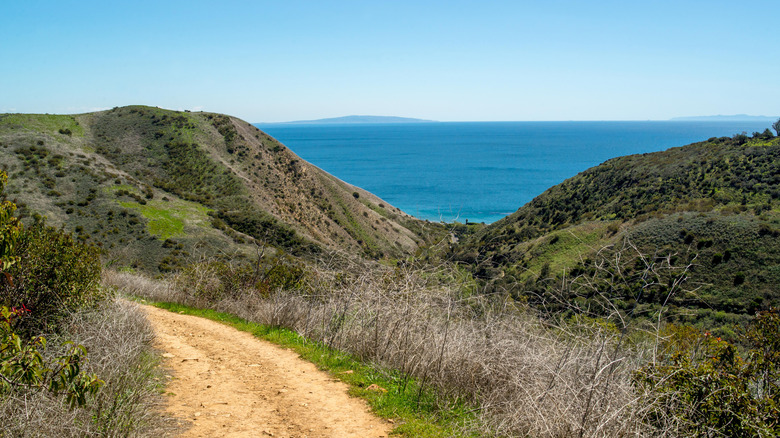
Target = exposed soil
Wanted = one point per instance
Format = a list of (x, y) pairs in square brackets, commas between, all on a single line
[(229, 383)]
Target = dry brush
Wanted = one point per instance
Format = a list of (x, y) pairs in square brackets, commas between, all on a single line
[(527, 376), (118, 340)]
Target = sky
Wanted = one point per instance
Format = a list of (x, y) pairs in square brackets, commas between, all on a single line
[(271, 61)]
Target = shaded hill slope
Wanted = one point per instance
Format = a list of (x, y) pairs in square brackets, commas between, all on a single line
[(710, 206), (154, 187)]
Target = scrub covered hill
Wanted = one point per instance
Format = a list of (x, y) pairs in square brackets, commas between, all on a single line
[(156, 187), (710, 207)]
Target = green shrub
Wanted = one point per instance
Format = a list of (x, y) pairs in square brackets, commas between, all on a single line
[(21, 363), (702, 387), (23, 367), (9, 231), (54, 276)]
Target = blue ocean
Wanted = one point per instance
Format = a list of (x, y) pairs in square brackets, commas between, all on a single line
[(479, 171)]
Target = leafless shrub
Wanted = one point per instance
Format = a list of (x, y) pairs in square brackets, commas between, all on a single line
[(118, 339), (140, 286), (528, 376)]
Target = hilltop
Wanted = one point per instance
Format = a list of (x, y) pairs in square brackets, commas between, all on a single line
[(707, 212), (155, 187)]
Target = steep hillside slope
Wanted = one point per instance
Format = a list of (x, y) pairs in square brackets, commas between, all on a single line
[(711, 207), (155, 187)]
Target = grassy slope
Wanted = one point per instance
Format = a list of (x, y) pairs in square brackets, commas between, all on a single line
[(712, 204), (156, 187)]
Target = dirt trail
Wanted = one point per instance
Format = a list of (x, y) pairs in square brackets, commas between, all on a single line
[(229, 383)]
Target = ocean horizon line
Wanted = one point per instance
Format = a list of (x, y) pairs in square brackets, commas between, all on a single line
[(480, 171), (701, 119)]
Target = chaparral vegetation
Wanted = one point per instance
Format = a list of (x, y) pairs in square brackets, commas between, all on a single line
[(637, 298)]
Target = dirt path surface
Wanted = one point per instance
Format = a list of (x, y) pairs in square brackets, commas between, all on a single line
[(229, 383)]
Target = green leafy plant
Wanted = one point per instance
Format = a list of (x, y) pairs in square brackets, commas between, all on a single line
[(21, 363), (10, 228), (702, 387), (763, 337), (55, 275), (23, 367)]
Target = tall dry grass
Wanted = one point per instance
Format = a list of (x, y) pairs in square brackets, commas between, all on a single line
[(118, 339), (527, 376)]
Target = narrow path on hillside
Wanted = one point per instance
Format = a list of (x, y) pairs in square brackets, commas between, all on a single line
[(229, 383)]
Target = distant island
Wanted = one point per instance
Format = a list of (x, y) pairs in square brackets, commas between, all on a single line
[(354, 120), (720, 118)]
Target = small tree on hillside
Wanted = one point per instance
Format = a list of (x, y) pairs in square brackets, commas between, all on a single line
[(776, 126)]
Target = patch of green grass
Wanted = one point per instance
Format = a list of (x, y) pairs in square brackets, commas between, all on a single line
[(565, 248), (168, 218), (162, 222), (382, 211), (413, 410), (48, 123)]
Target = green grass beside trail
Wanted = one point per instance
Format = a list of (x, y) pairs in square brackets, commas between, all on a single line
[(414, 412)]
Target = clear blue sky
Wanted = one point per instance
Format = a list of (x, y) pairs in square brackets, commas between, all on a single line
[(268, 61)]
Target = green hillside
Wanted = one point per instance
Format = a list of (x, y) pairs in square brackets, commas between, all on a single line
[(690, 235), (158, 188), (707, 213)]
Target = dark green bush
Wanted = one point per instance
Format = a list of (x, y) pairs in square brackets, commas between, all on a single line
[(54, 276), (702, 387), (26, 277)]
